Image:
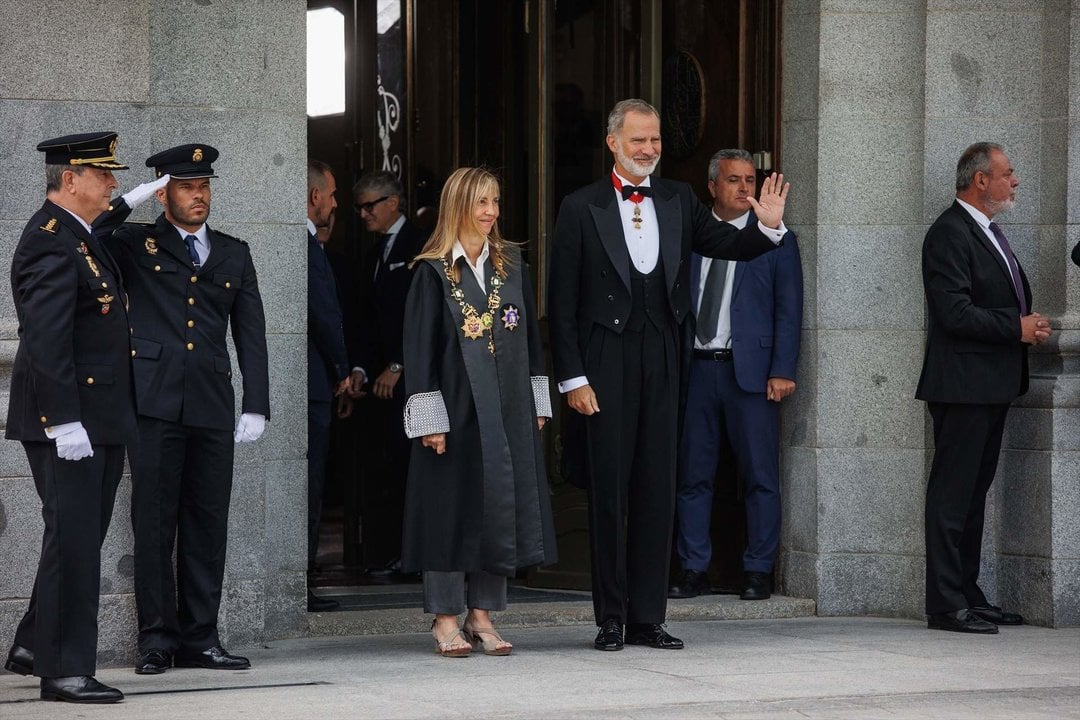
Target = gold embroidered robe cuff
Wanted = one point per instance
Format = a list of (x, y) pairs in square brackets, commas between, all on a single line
[(425, 414), (541, 395)]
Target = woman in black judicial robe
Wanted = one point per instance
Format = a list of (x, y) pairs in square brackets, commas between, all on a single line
[(477, 506)]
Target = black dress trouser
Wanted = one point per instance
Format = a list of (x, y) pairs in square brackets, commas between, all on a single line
[(181, 485), (967, 442), (631, 455), (60, 625)]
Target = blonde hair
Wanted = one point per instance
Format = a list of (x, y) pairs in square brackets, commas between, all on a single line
[(462, 192)]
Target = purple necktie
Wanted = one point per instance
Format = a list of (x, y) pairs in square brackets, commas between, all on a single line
[(1018, 286)]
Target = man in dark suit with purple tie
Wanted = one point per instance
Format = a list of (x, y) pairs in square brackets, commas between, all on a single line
[(978, 328)]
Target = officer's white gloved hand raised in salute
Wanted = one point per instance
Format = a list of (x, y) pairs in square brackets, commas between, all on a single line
[(250, 427), (141, 193)]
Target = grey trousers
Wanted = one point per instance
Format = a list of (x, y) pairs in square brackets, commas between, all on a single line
[(444, 592)]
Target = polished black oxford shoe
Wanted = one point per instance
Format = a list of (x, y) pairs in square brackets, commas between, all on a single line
[(20, 660), (652, 635), (214, 658), (321, 604), (153, 662), (994, 614), (691, 584), (962, 620), (758, 586), (78, 689), (610, 636)]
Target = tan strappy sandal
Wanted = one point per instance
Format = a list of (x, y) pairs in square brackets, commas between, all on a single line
[(488, 637), (446, 646)]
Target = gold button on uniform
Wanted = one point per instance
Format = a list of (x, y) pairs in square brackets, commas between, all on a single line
[(132, 353), (191, 301), (191, 346), (89, 381), (157, 268), (44, 419), (194, 278), (104, 284), (228, 284), (191, 323)]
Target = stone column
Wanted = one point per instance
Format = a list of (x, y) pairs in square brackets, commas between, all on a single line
[(879, 101), (164, 73)]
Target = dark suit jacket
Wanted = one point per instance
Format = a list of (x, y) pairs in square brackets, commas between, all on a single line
[(328, 363), (590, 264), (382, 299), (179, 319), (73, 362), (766, 313), (973, 348)]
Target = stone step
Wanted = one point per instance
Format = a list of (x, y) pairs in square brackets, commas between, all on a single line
[(553, 613)]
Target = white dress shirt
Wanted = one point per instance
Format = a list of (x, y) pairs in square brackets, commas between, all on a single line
[(202, 242), (984, 222), (477, 269)]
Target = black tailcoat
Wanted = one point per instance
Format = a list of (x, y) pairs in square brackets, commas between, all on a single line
[(626, 452)]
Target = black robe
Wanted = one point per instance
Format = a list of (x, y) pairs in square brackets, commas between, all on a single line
[(484, 504)]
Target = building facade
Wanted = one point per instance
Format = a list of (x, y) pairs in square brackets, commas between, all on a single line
[(871, 105)]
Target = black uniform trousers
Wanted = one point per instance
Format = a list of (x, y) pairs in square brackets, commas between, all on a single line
[(60, 625), (967, 442), (181, 484), (632, 454)]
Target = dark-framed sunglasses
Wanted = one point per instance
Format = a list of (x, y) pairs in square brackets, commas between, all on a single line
[(369, 207)]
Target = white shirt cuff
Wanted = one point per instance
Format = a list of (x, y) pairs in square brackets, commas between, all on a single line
[(776, 235), (573, 384), (54, 431)]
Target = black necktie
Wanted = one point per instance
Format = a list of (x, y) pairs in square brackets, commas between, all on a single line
[(711, 296), (189, 240), (642, 190)]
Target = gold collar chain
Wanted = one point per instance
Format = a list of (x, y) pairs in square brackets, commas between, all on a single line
[(475, 324)]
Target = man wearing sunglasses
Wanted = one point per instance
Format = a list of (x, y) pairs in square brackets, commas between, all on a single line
[(378, 199)]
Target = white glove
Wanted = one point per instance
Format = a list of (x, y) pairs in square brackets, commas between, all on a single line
[(74, 444), (141, 193), (250, 427)]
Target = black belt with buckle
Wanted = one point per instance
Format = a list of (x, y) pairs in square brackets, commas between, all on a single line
[(714, 355)]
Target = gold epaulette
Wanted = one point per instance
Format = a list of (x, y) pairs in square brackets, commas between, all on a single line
[(50, 226)]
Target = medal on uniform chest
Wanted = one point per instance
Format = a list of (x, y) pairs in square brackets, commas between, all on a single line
[(511, 317), (105, 301), (472, 327), (83, 249), (151, 246), (635, 197)]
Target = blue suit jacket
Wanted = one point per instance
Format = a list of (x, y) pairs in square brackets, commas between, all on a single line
[(328, 363), (766, 313)]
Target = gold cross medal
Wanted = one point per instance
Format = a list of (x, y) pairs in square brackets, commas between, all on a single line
[(511, 317), (105, 300), (472, 327)]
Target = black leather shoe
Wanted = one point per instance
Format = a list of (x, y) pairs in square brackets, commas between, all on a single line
[(20, 660), (610, 636), (653, 635), (153, 662), (994, 614), (78, 689), (214, 658), (320, 604), (758, 586), (962, 620), (691, 584)]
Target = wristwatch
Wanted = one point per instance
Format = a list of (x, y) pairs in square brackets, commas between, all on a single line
[(395, 367)]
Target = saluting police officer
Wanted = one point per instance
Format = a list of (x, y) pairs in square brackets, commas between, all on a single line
[(71, 406), (187, 283)]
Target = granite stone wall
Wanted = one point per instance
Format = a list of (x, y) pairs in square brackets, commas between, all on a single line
[(161, 73), (879, 99)]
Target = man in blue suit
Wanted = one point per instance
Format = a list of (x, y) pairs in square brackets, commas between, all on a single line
[(746, 345), (328, 363)]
